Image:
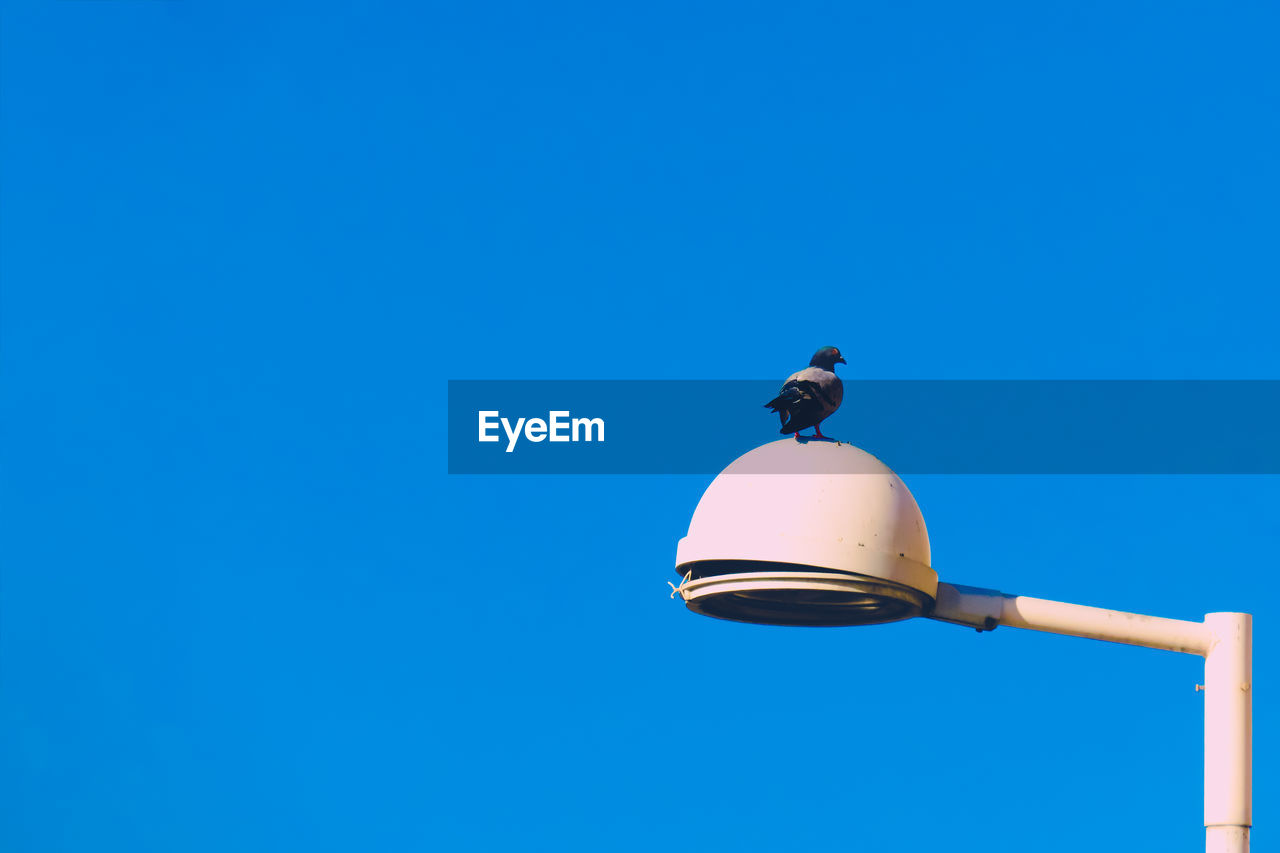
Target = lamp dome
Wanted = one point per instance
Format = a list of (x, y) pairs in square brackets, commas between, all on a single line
[(807, 533)]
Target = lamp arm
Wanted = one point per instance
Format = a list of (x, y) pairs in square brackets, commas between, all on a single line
[(986, 609)]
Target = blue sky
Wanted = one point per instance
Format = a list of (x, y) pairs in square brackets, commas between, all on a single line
[(245, 245)]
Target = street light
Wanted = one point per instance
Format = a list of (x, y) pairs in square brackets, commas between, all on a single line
[(821, 533)]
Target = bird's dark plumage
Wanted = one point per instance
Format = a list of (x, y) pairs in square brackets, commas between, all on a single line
[(810, 396)]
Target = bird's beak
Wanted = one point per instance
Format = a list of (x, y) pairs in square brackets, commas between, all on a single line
[(841, 361)]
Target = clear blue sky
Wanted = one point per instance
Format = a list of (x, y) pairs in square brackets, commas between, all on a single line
[(245, 245)]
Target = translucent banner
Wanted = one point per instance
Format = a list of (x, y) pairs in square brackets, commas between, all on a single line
[(915, 427)]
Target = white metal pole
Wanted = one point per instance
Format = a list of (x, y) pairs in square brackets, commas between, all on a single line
[(1096, 623), (1228, 733), (1225, 640), (985, 609)]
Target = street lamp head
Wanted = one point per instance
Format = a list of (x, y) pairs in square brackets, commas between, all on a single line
[(807, 533)]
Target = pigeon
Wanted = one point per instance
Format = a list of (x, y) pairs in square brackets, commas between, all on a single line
[(811, 396)]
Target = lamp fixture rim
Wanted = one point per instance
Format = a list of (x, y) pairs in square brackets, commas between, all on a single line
[(782, 596)]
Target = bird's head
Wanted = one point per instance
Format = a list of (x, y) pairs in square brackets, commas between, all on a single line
[(827, 358)]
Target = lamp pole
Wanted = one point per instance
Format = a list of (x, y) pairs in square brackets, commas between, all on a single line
[(1224, 640)]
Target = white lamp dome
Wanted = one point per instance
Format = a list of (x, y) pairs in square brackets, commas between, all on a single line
[(807, 533)]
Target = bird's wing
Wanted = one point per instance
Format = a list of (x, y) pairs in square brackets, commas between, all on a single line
[(806, 411), (807, 398), (823, 385), (792, 392)]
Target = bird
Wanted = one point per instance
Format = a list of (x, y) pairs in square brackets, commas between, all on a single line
[(810, 396)]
